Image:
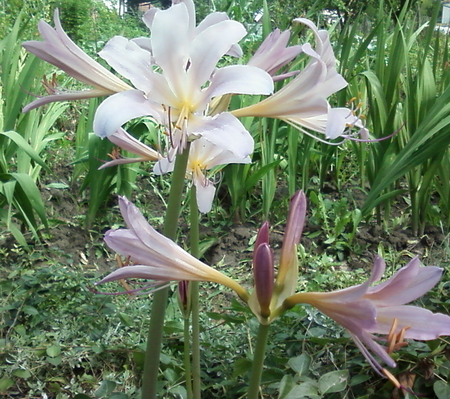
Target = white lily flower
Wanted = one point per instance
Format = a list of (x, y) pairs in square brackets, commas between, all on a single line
[(203, 155), (175, 77)]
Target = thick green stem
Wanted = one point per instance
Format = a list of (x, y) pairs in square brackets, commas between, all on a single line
[(194, 234), (154, 339), (258, 361)]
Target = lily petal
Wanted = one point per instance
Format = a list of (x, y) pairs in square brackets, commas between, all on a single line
[(122, 107)]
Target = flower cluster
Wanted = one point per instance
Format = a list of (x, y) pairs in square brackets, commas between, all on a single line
[(174, 77), (175, 80), (370, 313)]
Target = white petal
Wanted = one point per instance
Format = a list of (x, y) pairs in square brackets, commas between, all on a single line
[(163, 166), (130, 60), (239, 79), (120, 108), (336, 122), (205, 195), (209, 46), (424, 324), (171, 43), (225, 131)]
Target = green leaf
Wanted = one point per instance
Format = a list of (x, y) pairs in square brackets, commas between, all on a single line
[(441, 389), (179, 392), (118, 395), (358, 379), (307, 389), (256, 176), (31, 195), (286, 385), (300, 364), (241, 366), (125, 319), (53, 350), (106, 388), (21, 373), (24, 146), (30, 310), (5, 384), (55, 361), (335, 381), (81, 396)]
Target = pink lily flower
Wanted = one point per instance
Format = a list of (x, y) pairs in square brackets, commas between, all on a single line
[(156, 257), (303, 103), (59, 50), (176, 77), (273, 54), (364, 310)]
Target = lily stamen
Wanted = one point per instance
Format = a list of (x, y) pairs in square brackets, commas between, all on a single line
[(396, 340), (391, 378)]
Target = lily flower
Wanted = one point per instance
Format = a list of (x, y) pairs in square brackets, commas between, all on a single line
[(156, 257), (175, 78), (273, 54), (59, 50), (364, 310), (128, 143), (203, 156), (303, 103)]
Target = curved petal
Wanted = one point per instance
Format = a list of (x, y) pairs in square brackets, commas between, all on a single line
[(64, 96), (58, 49), (207, 155), (129, 143), (336, 122), (122, 107), (205, 194), (148, 17), (208, 47), (239, 79), (408, 284), (225, 131), (211, 19), (424, 324), (163, 166), (171, 46), (130, 60)]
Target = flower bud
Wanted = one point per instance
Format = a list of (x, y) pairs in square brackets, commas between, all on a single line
[(263, 271), (184, 300)]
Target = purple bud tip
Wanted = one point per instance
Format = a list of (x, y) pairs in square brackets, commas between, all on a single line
[(263, 235), (263, 271)]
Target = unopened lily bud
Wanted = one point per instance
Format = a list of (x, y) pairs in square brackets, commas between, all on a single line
[(292, 235), (184, 298), (263, 271), (263, 235)]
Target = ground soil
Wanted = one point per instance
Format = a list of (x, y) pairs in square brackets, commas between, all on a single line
[(70, 242)]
